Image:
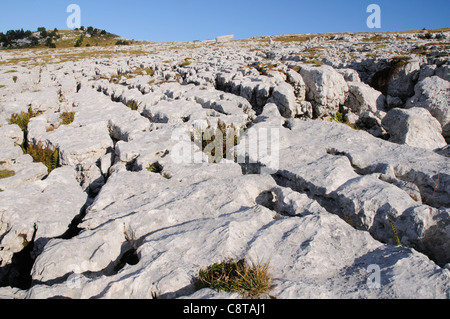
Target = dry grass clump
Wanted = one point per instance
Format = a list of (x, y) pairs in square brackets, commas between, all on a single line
[(67, 118), (5, 173), (293, 38), (236, 276)]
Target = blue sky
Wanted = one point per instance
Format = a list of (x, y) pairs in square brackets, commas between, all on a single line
[(187, 20)]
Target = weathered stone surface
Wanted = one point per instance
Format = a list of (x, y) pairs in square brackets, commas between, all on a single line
[(283, 95), (433, 94), (326, 89), (363, 98), (38, 211), (138, 207), (11, 137), (25, 172), (367, 200), (414, 127), (404, 79)]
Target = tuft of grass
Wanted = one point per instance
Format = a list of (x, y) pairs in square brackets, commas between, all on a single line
[(293, 38), (236, 276), (394, 231), (186, 62), (15, 78), (315, 63), (67, 118), (47, 156), (148, 71), (5, 173), (338, 117), (133, 105)]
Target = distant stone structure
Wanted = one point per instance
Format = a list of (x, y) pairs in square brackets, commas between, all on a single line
[(224, 38)]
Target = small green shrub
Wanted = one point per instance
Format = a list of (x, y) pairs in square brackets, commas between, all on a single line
[(122, 42), (79, 42), (238, 276), (23, 118), (50, 44), (48, 157)]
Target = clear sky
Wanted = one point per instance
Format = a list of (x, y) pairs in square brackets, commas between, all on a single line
[(187, 20)]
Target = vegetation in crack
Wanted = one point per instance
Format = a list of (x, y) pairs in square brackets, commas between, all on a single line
[(40, 153), (249, 280)]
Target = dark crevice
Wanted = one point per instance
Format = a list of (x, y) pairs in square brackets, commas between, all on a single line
[(18, 273), (130, 257), (131, 166), (73, 229), (269, 200)]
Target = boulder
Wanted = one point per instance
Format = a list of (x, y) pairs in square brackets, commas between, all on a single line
[(404, 79), (283, 96), (350, 75), (363, 98), (443, 72), (296, 80), (415, 127), (332, 260), (433, 94), (325, 88)]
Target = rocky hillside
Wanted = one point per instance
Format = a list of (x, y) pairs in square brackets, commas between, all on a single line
[(336, 172)]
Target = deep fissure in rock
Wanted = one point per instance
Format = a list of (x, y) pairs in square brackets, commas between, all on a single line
[(18, 273)]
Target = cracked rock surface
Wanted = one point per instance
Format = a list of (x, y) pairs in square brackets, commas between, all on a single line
[(336, 169)]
